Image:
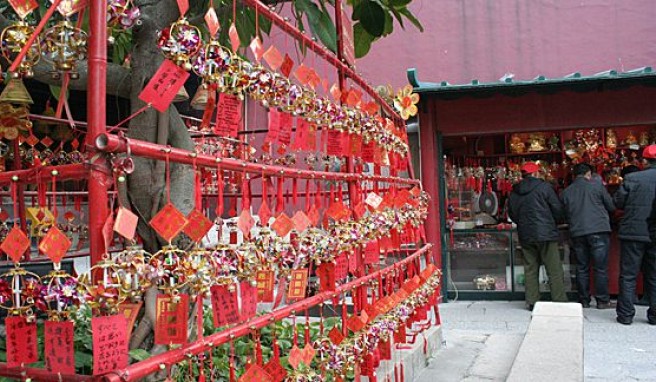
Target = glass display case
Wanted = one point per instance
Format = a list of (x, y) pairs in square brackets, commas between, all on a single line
[(488, 264)]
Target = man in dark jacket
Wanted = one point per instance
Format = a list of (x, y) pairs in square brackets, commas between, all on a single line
[(535, 207), (636, 197), (587, 204)]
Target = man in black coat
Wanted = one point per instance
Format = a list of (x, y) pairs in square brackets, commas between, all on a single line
[(535, 207), (587, 204), (636, 197)]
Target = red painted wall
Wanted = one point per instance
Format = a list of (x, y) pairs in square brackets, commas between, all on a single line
[(484, 39)]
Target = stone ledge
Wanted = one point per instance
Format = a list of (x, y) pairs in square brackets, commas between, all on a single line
[(552, 349)]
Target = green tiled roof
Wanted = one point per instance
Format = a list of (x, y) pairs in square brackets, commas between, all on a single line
[(573, 80)]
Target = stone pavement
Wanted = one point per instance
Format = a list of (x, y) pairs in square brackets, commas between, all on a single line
[(481, 340)]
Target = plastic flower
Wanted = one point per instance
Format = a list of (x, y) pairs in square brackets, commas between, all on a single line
[(406, 102)]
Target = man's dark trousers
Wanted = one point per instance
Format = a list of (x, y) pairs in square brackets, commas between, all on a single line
[(632, 255), (592, 247)]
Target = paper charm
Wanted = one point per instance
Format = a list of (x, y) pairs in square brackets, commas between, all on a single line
[(55, 244), (172, 313), (286, 66), (245, 223), (273, 57), (298, 284), (168, 222), (23, 8), (282, 225), (21, 340), (212, 21), (199, 225), (295, 357), (257, 48), (275, 370), (301, 221), (59, 351), (126, 223), (264, 213), (183, 6), (109, 332), (336, 336), (163, 86), (356, 322), (15, 244), (224, 305), (308, 354), (255, 373), (234, 37), (265, 283)]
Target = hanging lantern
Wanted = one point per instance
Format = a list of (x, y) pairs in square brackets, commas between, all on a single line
[(212, 63), (13, 39), (16, 93), (59, 293), (179, 42), (135, 272), (103, 294), (201, 271), (170, 265), (225, 258), (19, 292), (64, 45)]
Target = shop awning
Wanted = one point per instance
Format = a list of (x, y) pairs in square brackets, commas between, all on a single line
[(575, 81)]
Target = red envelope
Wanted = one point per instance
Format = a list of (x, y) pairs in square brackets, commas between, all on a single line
[(21, 341), (126, 223), (172, 314), (161, 89), (286, 66), (110, 343), (59, 350)]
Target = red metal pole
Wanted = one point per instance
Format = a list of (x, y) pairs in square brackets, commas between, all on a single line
[(142, 369), (307, 41), (20, 192), (33, 36), (113, 143), (41, 375), (65, 172), (96, 101)]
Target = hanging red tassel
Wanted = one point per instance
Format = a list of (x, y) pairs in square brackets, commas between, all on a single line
[(396, 373), (233, 377), (307, 327), (198, 191), (199, 315), (307, 196), (280, 202), (78, 203), (294, 191), (219, 187), (317, 195), (258, 350), (402, 373), (246, 194), (331, 200)]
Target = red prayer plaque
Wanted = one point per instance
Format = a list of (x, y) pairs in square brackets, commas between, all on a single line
[(126, 223), (108, 231), (275, 370), (255, 373), (302, 73), (336, 336), (334, 145), (245, 223), (313, 79), (341, 266), (234, 37), (371, 253), (302, 135), (273, 126), (298, 284), (257, 48), (228, 116), (23, 8), (372, 312), (336, 92), (183, 6), (282, 225), (356, 323), (172, 315), (301, 221), (265, 282), (59, 350), (359, 210), (355, 145), (326, 272), (15, 244), (161, 89), (110, 343), (313, 215), (295, 357), (373, 200), (212, 21), (285, 131), (168, 222), (225, 306), (55, 244), (273, 57), (32, 140), (69, 7), (248, 301), (198, 225), (286, 66), (21, 341), (368, 152), (338, 211)]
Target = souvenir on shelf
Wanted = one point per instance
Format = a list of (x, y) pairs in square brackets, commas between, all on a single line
[(631, 139), (611, 139), (554, 142), (537, 142), (517, 146), (644, 139)]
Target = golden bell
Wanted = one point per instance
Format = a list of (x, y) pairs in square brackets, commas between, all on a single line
[(199, 102), (181, 95), (16, 93)]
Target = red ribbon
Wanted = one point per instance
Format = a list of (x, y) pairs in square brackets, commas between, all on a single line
[(307, 195), (280, 201), (219, 187), (246, 194), (294, 191)]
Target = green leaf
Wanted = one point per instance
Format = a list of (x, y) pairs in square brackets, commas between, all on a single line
[(398, 3), (322, 26), (245, 28), (397, 15), (139, 354), (83, 360), (362, 40), (389, 25), (408, 15), (372, 16)]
